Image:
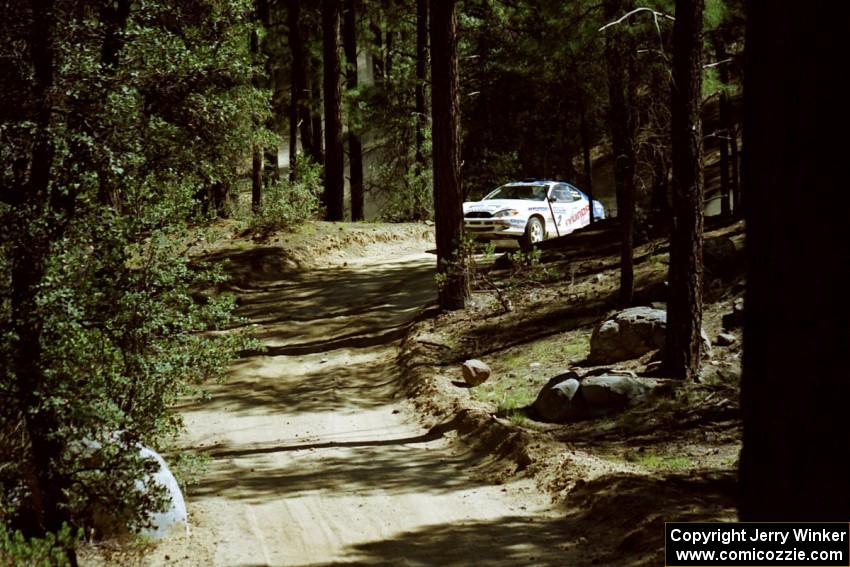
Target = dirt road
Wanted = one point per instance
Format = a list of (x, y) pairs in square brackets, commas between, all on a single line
[(317, 458)]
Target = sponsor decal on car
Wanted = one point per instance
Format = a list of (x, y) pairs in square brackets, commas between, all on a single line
[(575, 217)]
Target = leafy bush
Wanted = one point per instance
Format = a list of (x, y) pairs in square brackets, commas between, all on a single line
[(286, 204), (50, 551), (102, 327)]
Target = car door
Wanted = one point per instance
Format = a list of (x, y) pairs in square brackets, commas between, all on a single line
[(563, 206), (579, 210)]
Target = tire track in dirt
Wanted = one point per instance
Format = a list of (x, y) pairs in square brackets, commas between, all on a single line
[(318, 459)]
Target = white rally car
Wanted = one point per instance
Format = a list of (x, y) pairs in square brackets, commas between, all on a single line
[(529, 211)]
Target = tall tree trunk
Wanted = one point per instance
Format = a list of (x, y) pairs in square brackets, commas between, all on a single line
[(28, 254), (725, 183), (378, 43), (293, 132), (421, 110), (684, 301), (355, 148), (620, 63), (256, 179), (794, 404), (725, 132), (300, 82), (317, 152), (585, 147), (334, 180), (256, 150), (660, 182), (448, 196), (737, 211), (390, 41)]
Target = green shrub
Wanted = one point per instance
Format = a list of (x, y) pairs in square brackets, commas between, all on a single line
[(286, 204), (49, 551)]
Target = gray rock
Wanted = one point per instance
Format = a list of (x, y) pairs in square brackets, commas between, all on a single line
[(631, 333), (560, 399), (475, 372), (628, 334), (706, 343), (726, 339), (612, 392), (721, 258)]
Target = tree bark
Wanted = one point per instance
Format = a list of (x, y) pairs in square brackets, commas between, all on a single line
[(724, 130), (355, 148), (419, 161), (28, 255), (317, 152), (684, 301), (300, 84), (737, 211), (448, 196), (256, 179), (389, 42), (585, 150), (334, 181), (620, 66), (293, 132), (794, 388), (378, 57)]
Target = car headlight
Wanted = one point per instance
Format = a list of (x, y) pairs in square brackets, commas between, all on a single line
[(507, 213)]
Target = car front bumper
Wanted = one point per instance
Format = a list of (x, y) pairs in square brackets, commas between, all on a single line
[(495, 227)]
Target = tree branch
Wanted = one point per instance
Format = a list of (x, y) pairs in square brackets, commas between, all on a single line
[(655, 15)]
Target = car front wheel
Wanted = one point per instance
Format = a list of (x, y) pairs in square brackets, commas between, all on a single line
[(534, 233)]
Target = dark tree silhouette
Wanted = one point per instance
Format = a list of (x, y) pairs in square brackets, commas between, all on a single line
[(300, 83), (355, 148), (448, 196), (724, 129), (421, 111), (256, 179), (584, 131), (334, 182), (684, 301), (797, 322), (620, 64)]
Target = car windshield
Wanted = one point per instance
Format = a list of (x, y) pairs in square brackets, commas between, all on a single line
[(524, 192)]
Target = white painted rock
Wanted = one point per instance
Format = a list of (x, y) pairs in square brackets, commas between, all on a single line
[(175, 515)]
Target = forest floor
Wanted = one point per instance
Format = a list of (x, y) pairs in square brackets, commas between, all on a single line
[(351, 439)]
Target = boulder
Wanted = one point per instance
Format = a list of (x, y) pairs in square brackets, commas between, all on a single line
[(726, 339), (475, 372), (628, 334), (735, 319), (631, 333), (112, 520), (175, 515), (722, 258), (560, 399), (612, 392)]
